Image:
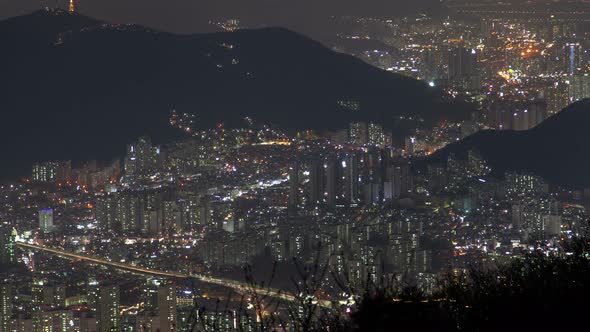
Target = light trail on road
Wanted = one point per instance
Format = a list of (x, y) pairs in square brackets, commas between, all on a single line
[(236, 285)]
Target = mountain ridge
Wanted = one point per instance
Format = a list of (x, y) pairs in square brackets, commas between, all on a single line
[(78, 78), (556, 149)]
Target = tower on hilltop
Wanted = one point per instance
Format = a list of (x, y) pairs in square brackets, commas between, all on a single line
[(73, 6)]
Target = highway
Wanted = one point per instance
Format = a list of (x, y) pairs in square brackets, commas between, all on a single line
[(241, 287)]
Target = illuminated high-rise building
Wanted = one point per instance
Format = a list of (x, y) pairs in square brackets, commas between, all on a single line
[(410, 145), (525, 184), (330, 168), (537, 215), (121, 212), (173, 217), (517, 215), (400, 181), (579, 87), (376, 136), (57, 321), (294, 187), (86, 322), (206, 211), (462, 63), (556, 97), (5, 306), (128, 213), (551, 225), (46, 220), (52, 171), (167, 308), (54, 295), (433, 59), (316, 183), (43, 173), (7, 245), (107, 313), (572, 57), (149, 294), (358, 133), (371, 193), (350, 178), (141, 157), (528, 115), (106, 212), (92, 294), (37, 302), (517, 115), (48, 302)]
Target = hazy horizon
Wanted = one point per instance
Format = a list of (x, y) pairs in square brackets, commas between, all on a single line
[(192, 17)]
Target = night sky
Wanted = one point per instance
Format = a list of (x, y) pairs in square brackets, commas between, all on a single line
[(189, 16)]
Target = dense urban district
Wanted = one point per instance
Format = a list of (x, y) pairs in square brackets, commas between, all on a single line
[(233, 218)]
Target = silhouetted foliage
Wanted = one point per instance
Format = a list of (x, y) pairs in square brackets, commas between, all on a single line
[(537, 292)]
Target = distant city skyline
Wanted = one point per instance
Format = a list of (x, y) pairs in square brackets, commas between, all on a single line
[(193, 16)]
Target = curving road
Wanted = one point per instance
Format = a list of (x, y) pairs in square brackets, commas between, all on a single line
[(237, 285)]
